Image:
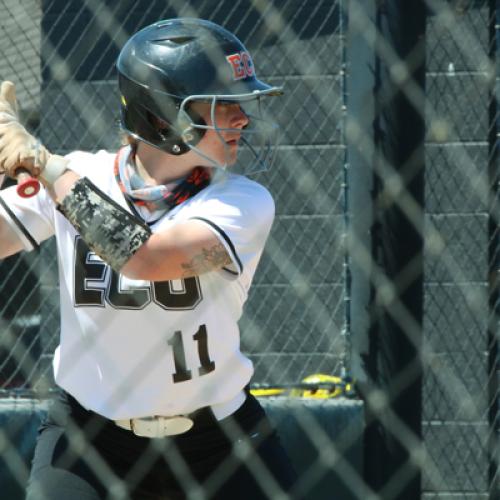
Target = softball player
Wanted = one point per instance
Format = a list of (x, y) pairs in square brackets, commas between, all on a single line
[(157, 246)]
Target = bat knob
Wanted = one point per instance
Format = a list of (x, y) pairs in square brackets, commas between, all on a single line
[(27, 186)]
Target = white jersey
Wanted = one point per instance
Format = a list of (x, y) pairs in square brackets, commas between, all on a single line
[(131, 348)]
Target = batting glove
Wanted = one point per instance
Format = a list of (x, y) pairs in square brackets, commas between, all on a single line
[(18, 148)]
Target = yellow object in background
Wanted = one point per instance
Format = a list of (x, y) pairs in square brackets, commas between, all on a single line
[(318, 385)]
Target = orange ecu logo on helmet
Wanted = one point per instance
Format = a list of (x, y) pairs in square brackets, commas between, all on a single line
[(241, 64)]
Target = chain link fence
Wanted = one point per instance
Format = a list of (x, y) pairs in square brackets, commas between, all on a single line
[(72, 102), (457, 268), (297, 320)]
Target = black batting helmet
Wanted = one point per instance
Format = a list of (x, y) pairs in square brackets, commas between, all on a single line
[(167, 65)]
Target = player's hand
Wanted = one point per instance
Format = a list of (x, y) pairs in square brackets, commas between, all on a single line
[(18, 148), (8, 103)]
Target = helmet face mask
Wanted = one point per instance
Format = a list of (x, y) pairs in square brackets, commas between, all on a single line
[(167, 67), (257, 139)]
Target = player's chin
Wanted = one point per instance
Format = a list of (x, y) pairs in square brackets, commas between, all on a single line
[(231, 161), (230, 157)]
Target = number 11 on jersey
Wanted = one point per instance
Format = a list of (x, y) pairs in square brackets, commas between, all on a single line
[(182, 373)]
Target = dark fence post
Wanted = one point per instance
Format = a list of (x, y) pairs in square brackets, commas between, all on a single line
[(389, 367), (493, 257)]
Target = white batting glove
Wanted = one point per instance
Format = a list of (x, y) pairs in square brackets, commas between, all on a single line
[(18, 148), (8, 103)]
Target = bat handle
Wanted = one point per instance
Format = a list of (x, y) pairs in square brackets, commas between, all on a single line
[(27, 186)]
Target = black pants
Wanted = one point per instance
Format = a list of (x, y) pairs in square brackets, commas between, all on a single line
[(82, 456)]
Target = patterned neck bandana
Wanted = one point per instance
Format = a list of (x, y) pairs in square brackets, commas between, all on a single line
[(152, 202)]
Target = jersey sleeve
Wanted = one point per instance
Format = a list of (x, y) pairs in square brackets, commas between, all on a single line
[(31, 218), (241, 218)]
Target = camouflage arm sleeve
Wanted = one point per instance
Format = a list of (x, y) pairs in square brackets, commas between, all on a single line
[(108, 229)]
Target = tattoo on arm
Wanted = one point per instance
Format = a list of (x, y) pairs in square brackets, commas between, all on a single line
[(208, 260)]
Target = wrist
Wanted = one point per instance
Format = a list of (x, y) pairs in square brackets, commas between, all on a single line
[(62, 186), (55, 167)]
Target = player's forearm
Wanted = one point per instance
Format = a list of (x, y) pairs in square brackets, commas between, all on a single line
[(127, 244), (181, 251), (62, 186), (109, 230), (146, 263)]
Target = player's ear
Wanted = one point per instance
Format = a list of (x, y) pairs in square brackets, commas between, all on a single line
[(185, 122)]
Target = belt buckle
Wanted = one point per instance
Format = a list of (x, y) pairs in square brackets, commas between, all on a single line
[(158, 427)]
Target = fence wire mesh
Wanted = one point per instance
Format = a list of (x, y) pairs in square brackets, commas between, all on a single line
[(78, 109), (457, 210), (296, 322)]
